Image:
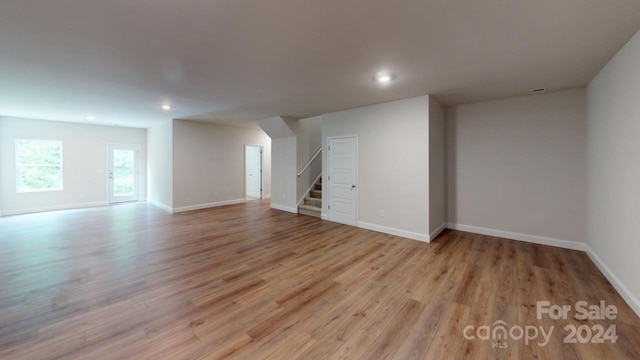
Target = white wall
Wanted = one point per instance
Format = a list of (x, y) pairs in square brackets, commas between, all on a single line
[(437, 171), (85, 163), (160, 164), (283, 161), (283, 167), (209, 163), (613, 113), (518, 166), (393, 164)]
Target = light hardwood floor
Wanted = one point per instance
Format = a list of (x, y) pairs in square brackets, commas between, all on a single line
[(249, 282)]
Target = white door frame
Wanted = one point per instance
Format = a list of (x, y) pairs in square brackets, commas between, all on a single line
[(110, 148), (328, 186), (261, 169)]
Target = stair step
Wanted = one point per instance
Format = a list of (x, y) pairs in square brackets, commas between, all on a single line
[(316, 194), (309, 210), (313, 201), (318, 186)]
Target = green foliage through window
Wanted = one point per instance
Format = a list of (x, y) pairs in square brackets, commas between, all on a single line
[(38, 165), (123, 177)]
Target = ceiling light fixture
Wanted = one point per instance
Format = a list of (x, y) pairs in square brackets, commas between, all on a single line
[(90, 118), (166, 107), (384, 77)]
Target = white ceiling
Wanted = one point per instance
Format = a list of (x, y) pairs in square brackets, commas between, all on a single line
[(239, 60)]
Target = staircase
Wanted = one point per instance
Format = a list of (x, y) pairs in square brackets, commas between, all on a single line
[(313, 204)]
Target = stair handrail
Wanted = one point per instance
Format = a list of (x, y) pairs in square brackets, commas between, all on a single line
[(310, 161)]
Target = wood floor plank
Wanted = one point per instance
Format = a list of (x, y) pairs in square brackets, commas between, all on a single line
[(394, 334), (420, 338), (249, 282)]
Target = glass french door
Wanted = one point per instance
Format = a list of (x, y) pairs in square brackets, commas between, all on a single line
[(123, 173)]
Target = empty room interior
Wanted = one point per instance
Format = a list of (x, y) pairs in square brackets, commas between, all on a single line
[(319, 179)]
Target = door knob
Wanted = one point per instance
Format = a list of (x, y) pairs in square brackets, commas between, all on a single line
[(353, 186)]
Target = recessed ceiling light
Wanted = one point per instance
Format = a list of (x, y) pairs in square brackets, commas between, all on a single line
[(166, 107), (90, 118), (384, 77)]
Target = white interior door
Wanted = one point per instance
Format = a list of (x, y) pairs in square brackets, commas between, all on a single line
[(123, 173), (343, 179), (253, 171)]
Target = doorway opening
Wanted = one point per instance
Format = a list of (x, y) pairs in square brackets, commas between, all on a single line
[(123, 173), (253, 172)]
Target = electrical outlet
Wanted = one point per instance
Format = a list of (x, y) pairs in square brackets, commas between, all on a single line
[(381, 213)]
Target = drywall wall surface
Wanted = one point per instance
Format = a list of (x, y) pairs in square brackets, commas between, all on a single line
[(613, 124), (209, 163), (519, 165), (437, 171), (160, 164), (85, 163), (276, 127), (393, 163), (283, 167)]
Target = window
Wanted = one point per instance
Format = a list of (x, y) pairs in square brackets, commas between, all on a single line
[(38, 165)]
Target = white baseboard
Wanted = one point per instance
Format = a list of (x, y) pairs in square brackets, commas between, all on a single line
[(437, 231), (54, 208), (393, 231), (160, 205), (208, 205), (626, 294), (324, 216), (268, 196), (284, 208), (566, 244)]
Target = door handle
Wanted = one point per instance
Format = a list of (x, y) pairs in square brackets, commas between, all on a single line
[(353, 186)]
